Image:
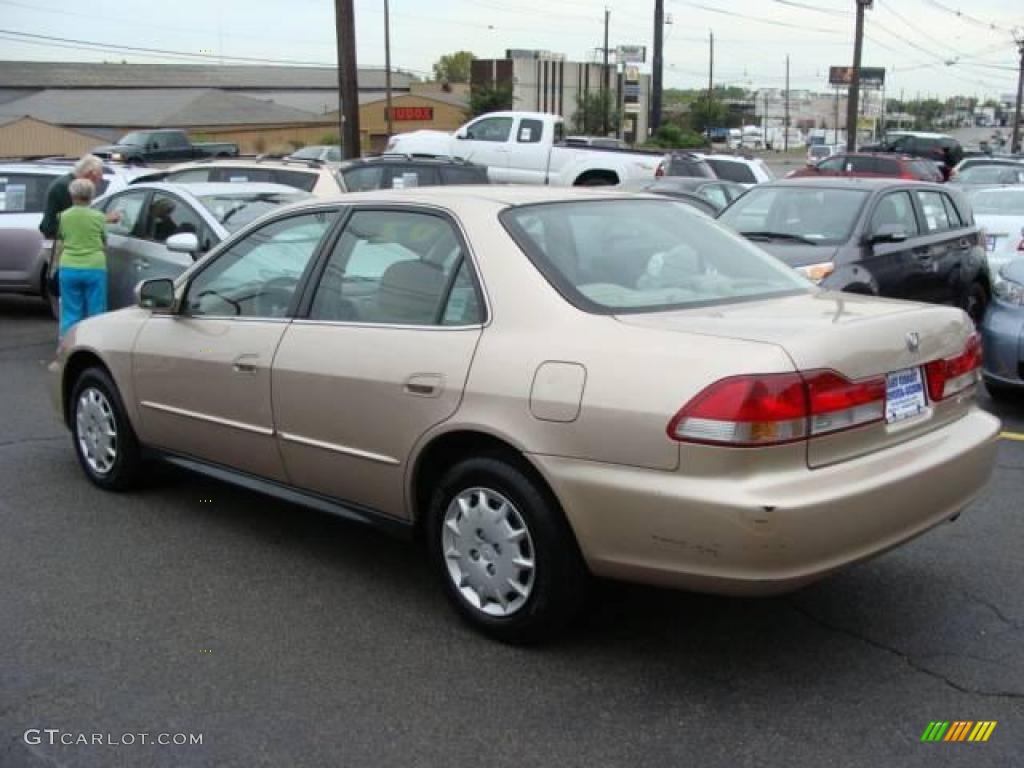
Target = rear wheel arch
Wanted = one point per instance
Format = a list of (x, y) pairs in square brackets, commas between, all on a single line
[(444, 451)]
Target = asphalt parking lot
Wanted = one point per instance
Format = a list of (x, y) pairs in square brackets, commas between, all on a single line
[(289, 638)]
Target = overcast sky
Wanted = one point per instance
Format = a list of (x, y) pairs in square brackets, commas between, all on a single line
[(913, 39)]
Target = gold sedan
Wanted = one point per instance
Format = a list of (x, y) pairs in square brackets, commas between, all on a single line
[(542, 384)]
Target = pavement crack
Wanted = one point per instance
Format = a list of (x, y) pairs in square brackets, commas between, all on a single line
[(905, 657), (995, 610)]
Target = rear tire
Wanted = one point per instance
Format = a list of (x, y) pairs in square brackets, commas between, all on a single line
[(505, 554), (102, 435), (53, 302)]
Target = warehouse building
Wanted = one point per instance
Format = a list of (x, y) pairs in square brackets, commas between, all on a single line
[(260, 108)]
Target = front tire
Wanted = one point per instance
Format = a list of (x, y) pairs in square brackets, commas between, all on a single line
[(974, 302), (505, 554), (103, 438)]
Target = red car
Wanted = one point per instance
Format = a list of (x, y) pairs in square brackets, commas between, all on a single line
[(873, 165)]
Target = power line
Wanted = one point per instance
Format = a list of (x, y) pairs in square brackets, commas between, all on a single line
[(758, 19), (966, 17), (816, 9)]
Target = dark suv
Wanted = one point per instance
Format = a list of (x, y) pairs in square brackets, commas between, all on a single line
[(404, 171), (884, 237), (930, 146)]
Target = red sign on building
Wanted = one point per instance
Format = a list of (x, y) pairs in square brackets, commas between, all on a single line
[(408, 114)]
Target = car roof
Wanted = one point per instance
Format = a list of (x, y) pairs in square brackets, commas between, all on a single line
[(920, 134), (312, 166), (33, 167), (219, 188), (866, 184), (406, 158)]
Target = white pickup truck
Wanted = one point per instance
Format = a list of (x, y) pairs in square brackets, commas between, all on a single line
[(528, 148)]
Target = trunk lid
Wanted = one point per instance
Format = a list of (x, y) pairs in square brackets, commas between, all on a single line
[(859, 337)]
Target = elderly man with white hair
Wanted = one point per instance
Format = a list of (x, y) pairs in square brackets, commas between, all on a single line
[(58, 199)]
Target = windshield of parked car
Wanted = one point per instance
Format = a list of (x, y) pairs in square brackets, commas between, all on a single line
[(308, 153), (133, 140), (619, 256), (998, 202), (821, 216), (234, 211)]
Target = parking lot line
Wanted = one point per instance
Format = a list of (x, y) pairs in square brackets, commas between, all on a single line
[(1018, 436)]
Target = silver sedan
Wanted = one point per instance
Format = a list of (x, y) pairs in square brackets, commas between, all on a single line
[(165, 227)]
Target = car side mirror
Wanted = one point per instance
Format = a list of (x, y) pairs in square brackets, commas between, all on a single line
[(156, 295), (462, 133), (183, 242), (889, 233)]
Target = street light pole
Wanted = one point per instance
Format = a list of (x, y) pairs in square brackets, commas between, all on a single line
[(785, 127), (659, 28), (852, 106), (606, 96)]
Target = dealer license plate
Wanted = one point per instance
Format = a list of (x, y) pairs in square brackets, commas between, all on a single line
[(904, 394)]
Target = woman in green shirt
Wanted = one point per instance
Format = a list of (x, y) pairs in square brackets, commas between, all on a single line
[(83, 262)]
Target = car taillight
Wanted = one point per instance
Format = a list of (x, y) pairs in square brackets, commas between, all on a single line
[(772, 409), (953, 375)]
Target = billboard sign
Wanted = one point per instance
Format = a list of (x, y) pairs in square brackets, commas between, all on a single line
[(631, 54), (870, 77)]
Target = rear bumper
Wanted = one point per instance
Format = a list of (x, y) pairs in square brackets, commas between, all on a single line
[(1003, 343), (771, 532)]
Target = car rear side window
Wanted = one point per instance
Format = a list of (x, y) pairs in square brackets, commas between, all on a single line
[(530, 131), (363, 179), (934, 209), (396, 268), (732, 171), (886, 167), (863, 165), (190, 176), (408, 176), (457, 175), (129, 205), (895, 211), (24, 193), (298, 179)]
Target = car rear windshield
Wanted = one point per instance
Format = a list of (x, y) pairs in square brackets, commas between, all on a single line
[(628, 256), (732, 171), (24, 192), (234, 211), (998, 202), (819, 215)]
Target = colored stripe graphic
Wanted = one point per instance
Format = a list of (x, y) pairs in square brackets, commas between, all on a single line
[(935, 730), (958, 730)]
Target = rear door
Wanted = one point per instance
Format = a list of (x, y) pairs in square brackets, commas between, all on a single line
[(834, 166), (381, 356), (898, 268), (943, 247)]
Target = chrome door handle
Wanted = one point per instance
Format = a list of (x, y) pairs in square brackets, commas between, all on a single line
[(424, 384), (245, 363)]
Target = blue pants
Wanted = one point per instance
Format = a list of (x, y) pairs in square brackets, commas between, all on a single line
[(83, 293)]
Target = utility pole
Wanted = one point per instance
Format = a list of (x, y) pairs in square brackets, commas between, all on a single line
[(659, 28), (851, 107), (387, 70), (348, 87), (1018, 36), (606, 81), (785, 126), (711, 66)]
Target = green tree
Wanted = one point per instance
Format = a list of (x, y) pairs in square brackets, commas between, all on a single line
[(591, 112), (705, 114), (454, 67), (484, 99)]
